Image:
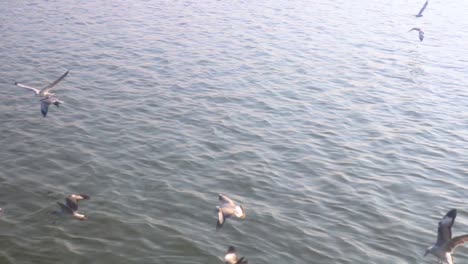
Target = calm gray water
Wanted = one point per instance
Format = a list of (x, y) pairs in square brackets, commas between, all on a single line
[(343, 136)]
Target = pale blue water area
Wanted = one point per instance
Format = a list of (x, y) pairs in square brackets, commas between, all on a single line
[(342, 135)]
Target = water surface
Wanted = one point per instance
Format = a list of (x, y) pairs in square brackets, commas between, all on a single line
[(343, 136)]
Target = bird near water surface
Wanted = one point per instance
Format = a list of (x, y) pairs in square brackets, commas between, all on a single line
[(232, 257), (421, 33), (71, 205), (45, 92), (445, 244), (227, 209)]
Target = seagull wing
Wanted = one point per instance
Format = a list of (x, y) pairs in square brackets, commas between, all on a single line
[(225, 199), (444, 232), (457, 241), (221, 219), (423, 8), (36, 91), (223, 213), (48, 87), (227, 210), (44, 107)]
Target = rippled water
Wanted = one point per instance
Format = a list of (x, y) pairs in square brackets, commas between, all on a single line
[(343, 136)]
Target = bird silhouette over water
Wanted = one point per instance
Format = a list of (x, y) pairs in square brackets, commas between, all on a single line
[(232, 257), (421, 33), (445, 244), (422, 9), (71, 205), (227, 209)]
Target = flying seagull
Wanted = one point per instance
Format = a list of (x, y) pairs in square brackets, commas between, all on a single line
[(71, 205), (44, 91), (421, 33), (45, 102), (445, 244), (232, 257), (422, 9), (227, 209)]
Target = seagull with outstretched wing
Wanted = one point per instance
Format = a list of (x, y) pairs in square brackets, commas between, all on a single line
[(44, 91), (445, 244), (227, 209), (71, 205)]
